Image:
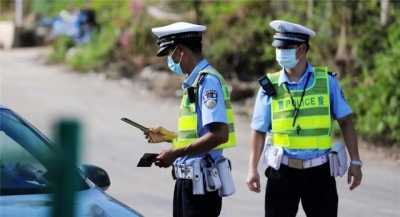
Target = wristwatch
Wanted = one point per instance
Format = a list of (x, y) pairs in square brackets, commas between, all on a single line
[(356, 162)]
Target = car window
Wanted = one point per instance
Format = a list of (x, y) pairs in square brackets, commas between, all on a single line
[(20, 172), (24, 155)]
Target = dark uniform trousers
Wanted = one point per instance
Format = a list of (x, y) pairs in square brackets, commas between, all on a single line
[(314, 186), (188, 205)]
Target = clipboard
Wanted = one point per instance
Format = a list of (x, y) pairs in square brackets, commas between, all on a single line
[(134, 124)]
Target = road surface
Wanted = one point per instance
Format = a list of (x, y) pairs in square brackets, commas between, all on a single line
[(43, 93)]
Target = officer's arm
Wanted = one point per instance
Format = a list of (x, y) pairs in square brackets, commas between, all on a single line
[(341, 111), (354, 175), (256, 146), (260, 124), (218, 134), (350, 136)]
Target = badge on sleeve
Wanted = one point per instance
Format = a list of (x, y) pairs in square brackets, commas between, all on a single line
[(210, 98)]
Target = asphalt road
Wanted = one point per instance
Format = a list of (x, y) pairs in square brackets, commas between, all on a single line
[(43, 93)]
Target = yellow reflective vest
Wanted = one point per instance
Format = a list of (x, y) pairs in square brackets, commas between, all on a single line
[(313, 125), (187, 122)]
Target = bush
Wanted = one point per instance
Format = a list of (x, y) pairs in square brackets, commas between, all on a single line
[(350, 40), (376, 100), (236, 38), (95, 53), (60, 48), (113, 18)]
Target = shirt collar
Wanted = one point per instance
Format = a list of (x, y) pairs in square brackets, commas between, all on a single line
[(284, 78), (188, 82)]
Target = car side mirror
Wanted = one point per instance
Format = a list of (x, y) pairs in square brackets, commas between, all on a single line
[(97, 175)]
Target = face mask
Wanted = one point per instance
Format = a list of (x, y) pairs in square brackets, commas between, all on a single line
[(286, 58), (175, 67)]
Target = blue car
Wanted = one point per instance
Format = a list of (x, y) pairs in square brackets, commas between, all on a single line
[(24, 185)]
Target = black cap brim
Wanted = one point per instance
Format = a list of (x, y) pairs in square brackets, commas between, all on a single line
[(170, 41), (284, 43), (163, 51)]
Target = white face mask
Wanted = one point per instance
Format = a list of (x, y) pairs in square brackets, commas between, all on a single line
[(175, 67), (286, 58)]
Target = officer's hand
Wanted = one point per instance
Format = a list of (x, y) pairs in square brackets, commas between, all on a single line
[(253, 181), (159, 134), (354, 176), (166, 158)]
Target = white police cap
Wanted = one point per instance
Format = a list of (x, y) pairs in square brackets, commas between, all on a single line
[(171, 34), (288, 33)]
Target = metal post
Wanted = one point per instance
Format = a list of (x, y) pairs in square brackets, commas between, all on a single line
[(64, 171)]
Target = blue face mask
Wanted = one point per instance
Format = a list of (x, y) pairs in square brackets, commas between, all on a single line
[(286, 58), (175, 67)]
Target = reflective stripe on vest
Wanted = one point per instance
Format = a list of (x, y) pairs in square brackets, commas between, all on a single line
[(187, 122), (313, 124)]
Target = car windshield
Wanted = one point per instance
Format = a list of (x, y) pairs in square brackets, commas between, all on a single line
[(23, 156)]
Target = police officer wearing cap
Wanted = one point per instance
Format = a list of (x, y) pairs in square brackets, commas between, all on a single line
[(205, 125), (297, 105)]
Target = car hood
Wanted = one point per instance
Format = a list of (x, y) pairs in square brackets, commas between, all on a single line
[(90, 203)]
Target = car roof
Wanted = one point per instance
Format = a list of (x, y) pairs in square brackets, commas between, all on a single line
[(4, 107)]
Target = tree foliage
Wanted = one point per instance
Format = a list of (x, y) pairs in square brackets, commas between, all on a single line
[(358, 39), (376, 98)]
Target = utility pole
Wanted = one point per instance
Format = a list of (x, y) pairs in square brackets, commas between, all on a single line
[(18, 22), (384, 12), (19, 13)]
